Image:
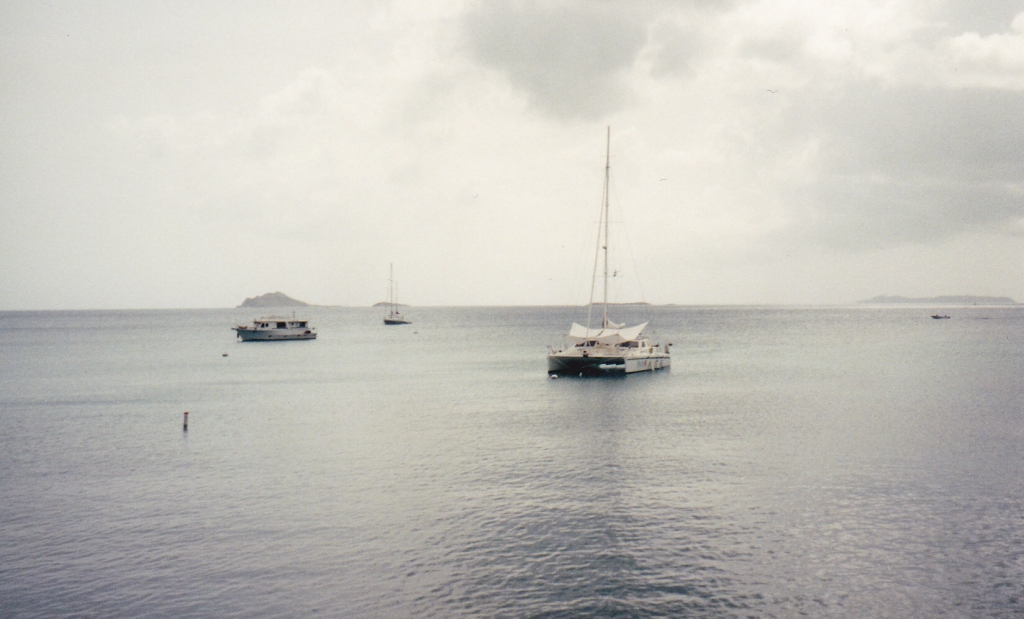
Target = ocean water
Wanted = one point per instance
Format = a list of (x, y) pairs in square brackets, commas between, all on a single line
[(794, 462)]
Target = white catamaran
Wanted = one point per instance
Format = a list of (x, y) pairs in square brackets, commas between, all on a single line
[(393, 317), (612, 348)]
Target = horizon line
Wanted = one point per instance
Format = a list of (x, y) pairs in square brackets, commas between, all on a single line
[(864, 304)]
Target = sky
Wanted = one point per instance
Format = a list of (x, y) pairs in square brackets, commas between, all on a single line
[(192, 154)]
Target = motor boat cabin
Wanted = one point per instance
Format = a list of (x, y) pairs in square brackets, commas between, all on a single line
[(274, 328)]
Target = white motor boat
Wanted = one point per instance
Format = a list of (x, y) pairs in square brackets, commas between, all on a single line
[(275, 328), (612, 348)]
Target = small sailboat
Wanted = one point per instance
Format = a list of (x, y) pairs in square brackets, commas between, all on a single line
[(393, 317), (612, 348)]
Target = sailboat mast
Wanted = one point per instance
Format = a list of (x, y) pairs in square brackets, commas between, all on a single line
[(607, 168)]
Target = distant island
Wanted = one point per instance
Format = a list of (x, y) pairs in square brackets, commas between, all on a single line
[(595, 303), (949, 300), (273, 299), (386, 304)]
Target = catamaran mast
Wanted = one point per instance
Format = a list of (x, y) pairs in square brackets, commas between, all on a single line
[(602, 222), (607, 167)]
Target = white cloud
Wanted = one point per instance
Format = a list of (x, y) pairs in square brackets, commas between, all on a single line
[(993, 61)]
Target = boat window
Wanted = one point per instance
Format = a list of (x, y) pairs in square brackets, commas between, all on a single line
[(281, 325)]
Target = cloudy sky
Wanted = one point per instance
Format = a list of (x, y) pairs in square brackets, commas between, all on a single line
[(191, 154)]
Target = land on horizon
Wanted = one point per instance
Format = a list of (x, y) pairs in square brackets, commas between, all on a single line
[(941, 300), (273, 299), (881, 300)]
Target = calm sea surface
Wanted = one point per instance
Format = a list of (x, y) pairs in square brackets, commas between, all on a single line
[(843, 462)]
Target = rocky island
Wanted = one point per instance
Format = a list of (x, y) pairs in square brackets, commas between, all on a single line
[(273, 299)]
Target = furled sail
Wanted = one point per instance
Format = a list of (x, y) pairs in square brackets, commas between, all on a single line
[(579, 333)]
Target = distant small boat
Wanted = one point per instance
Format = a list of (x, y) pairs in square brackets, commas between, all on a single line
[(939, 317), (275, 328), (393, 317)]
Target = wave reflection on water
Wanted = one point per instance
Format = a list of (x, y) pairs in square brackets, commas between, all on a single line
[(817, 462)]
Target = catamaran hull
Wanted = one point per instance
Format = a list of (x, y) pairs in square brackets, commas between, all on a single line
[(395, 321), (595, 366), (647, 364), (272, 335)]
